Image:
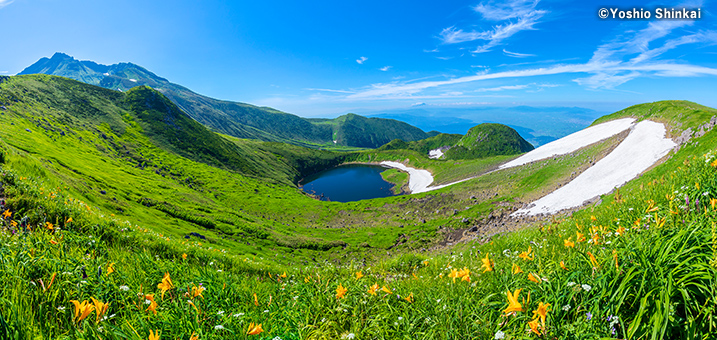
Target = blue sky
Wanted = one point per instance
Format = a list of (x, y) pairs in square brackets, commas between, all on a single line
[(325, 58)]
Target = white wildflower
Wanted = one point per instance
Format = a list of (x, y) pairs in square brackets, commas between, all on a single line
[(587, 288), (567, 307), (124, 288), (570, 284), (218, 327), (499, 335)]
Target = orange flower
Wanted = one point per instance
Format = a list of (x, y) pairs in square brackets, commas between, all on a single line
[(7, 213), (534, 326), (593, 261), (256, 301), (194, 336), (526, 255), (110, 269), (82, 310), (409, 298), (283, 276), (535, 278), (372, 290), (197, 291), (100, 308), (593, 218), (713, 202), (49, 226), (487, 264), (358, 275), (569, 242), (614, 256), (153, 335), (513, 304), (620, 230), (152, 304), (541, 312), (516, 269), (386, 290), (166, 284), (580, 237), (562, 265), (340, 291), (254, 329), (184, 256)]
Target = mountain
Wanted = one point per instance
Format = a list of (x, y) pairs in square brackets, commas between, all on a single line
[(232, 118), (488, 139)]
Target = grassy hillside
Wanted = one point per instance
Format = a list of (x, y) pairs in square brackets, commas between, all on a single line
[(487, 140), (638, 265), (231, 118), (423, 146)]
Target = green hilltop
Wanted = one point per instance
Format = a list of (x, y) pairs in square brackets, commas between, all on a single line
[(121, 198), (231, 118)]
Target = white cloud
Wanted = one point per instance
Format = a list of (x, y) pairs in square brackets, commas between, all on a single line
[(4, 3), (523, 11), (361, 60), (517, 55), (431, 51), (622, 71), (385, 68)]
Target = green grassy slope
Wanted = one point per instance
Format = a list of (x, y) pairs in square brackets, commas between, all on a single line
[(235, 119), (639, 265), (486, 140)]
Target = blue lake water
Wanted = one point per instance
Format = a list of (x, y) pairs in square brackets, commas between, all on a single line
[(348, 183)]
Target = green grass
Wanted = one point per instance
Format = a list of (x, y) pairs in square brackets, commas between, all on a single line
[(85, 140), (397, 177)]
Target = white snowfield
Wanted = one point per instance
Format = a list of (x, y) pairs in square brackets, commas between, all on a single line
[(418, 180), (435, 154), (573, 141), (641, 149)]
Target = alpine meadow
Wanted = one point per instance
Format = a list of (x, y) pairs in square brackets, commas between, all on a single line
[(565, 191)]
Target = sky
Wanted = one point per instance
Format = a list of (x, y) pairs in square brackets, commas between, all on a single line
[(326, 58)]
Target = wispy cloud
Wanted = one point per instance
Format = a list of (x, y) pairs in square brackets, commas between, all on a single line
[(516, 54), (328, 90), (657, 69), (361, 60), (385, 68), (4, 3), (518, 15), (435, 50)]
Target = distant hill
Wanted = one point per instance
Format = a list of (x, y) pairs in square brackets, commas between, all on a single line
[(486, 140), (233, 118)]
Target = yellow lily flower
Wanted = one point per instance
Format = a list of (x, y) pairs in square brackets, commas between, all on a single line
[(340, 291), (184, 256), (569, 242), (283, 276), (100, 308), (153, 335), (49, 226), (593, 261), (580, 237), (516, 269), (197, 291), (7, 213), (541, 312), (487, 264), (513, 304), (534, 326), (166, 284), (110, 269), (82, 310), (68, 220), (562, 265), (535, 278), (256, 301), (409, 298), (372, 290), (358, 275), (152, 304), (620, 230), (194, 336), (614, 256), (254, 329), (386, 289), (526, 255)]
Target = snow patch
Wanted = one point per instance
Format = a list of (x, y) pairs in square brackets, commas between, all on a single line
[(573, 141), (435, 154), (418, 180), (641, 149), (133, 80)]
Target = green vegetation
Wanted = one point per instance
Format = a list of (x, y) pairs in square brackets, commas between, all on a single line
[(423, 146), (398, 178), (104, 197), (487, 140)]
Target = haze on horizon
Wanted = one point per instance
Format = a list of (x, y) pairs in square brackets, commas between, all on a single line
[(327, 58)]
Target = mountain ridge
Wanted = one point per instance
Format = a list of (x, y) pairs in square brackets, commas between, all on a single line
[(233, 118)]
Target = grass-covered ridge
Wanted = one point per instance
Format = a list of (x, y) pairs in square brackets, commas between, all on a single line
[(639, 265)]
